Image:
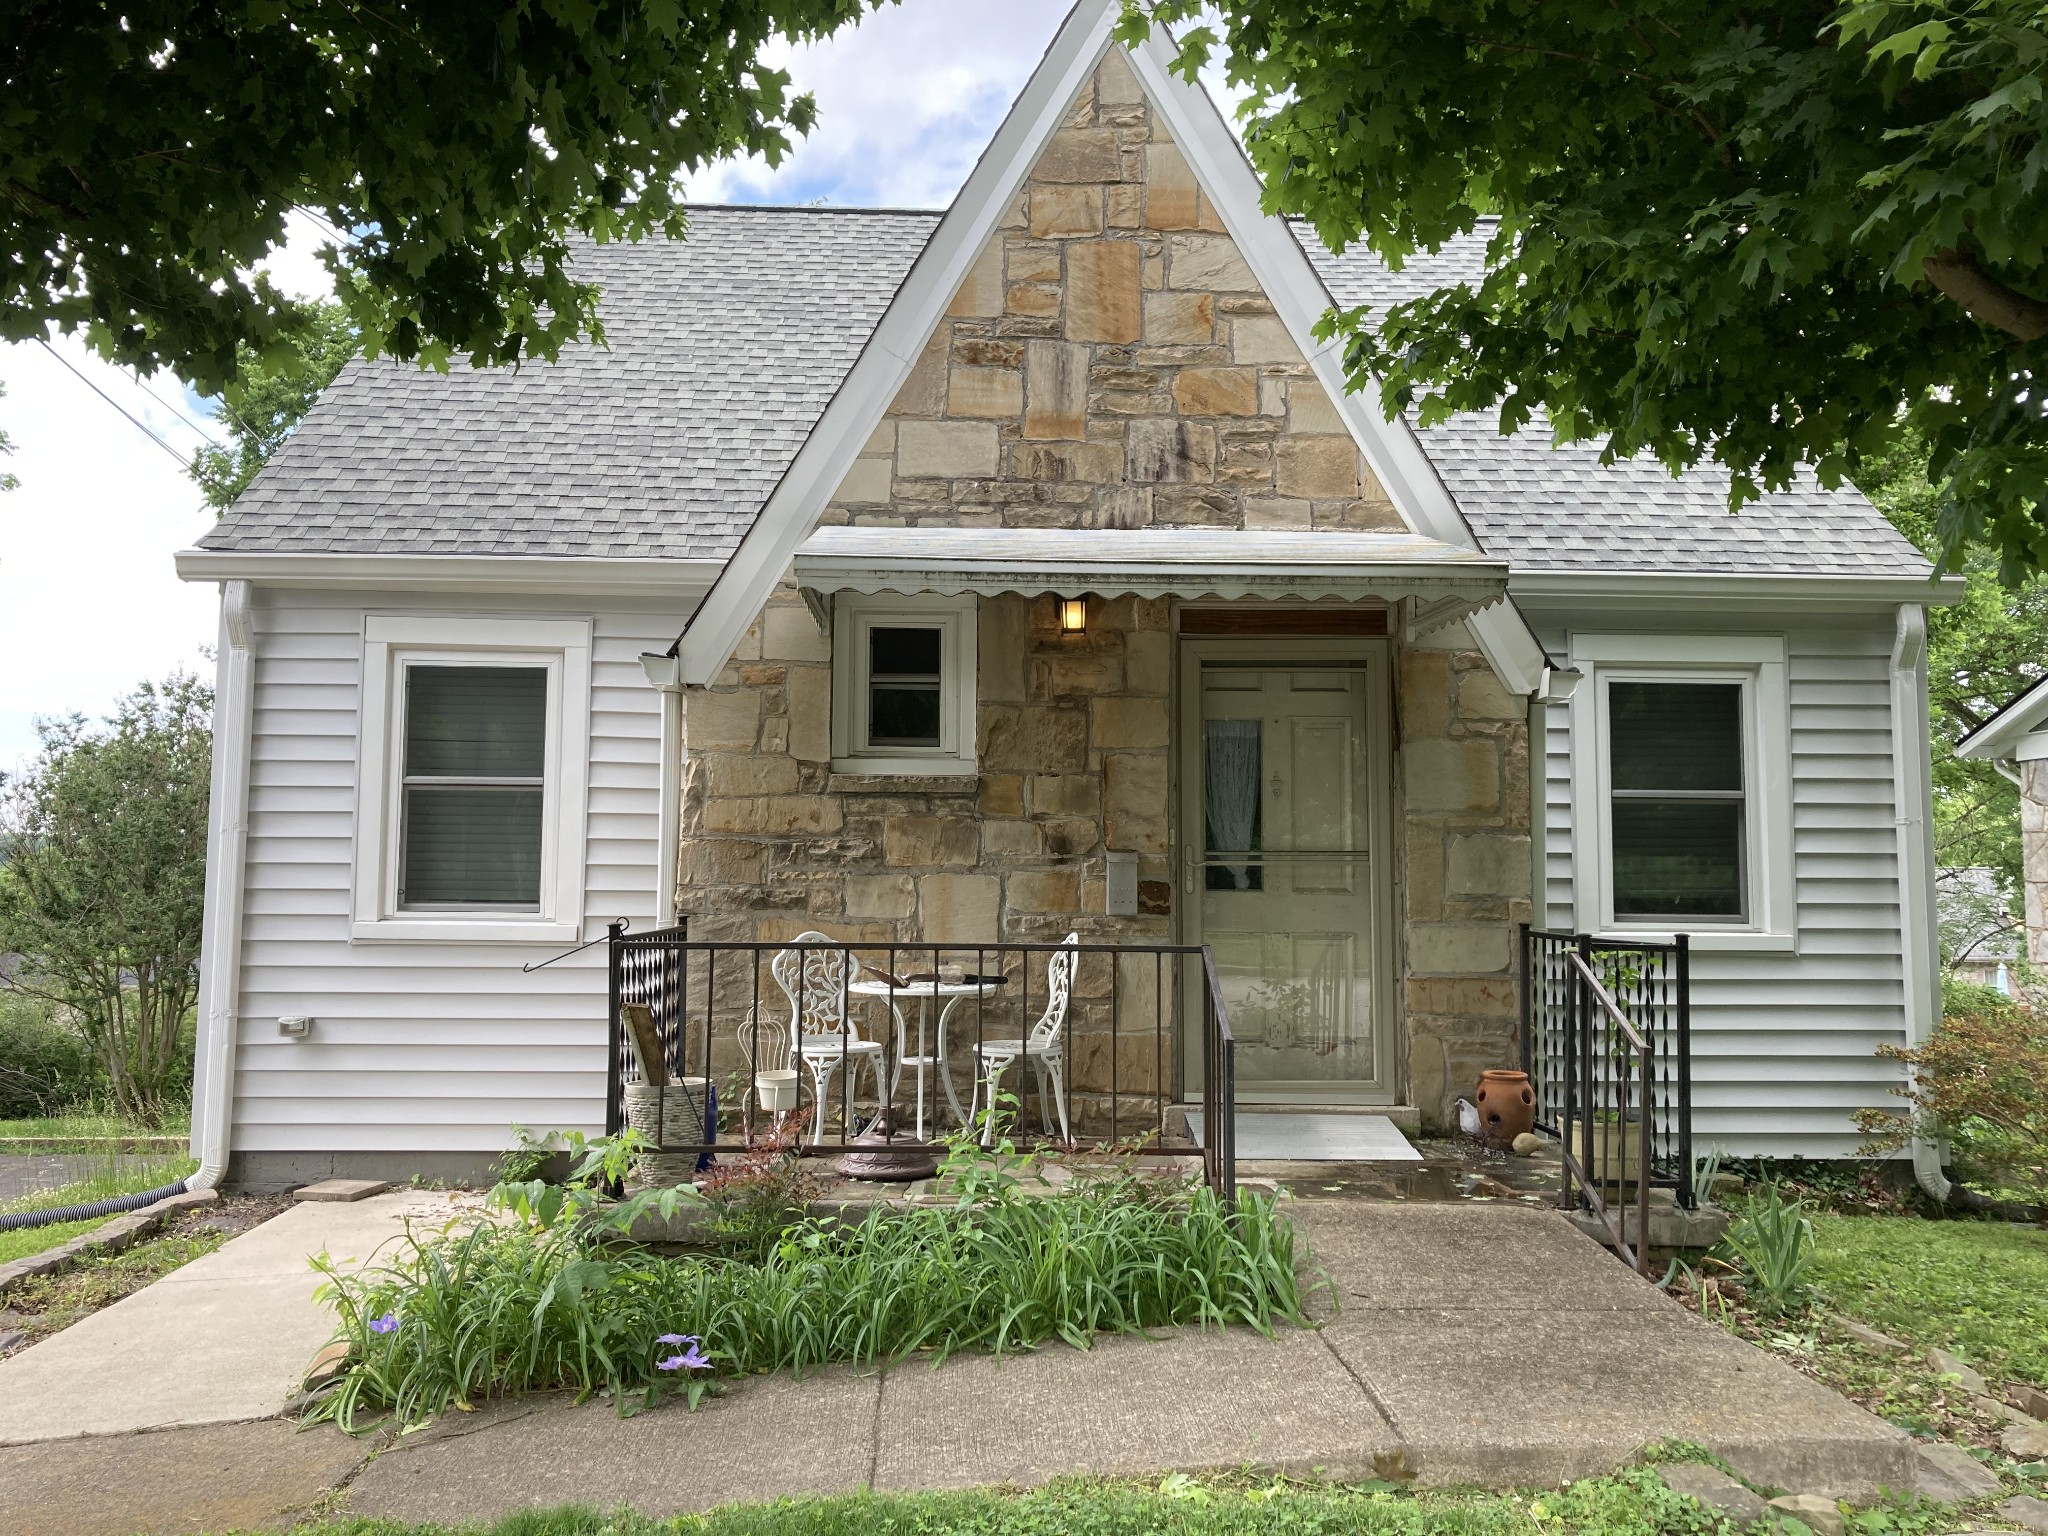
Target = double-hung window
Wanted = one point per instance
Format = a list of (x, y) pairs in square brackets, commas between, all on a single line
[(470, 798), (903, 684), (1681, 814)]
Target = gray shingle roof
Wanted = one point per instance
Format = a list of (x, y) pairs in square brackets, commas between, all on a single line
[(724, 350), (1560, 508)]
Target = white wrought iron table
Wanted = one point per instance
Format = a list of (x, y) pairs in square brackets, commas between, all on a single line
[(951, 993)]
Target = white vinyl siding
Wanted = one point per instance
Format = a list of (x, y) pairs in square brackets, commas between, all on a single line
[(432, 1046), (1784, 1045)]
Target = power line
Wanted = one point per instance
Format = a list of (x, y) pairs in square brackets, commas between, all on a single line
[(143, 385), (117, 405)]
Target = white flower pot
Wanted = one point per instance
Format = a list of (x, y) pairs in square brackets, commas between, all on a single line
[(776, 1090)]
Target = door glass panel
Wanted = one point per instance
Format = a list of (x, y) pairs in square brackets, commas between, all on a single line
[(1286, 779)]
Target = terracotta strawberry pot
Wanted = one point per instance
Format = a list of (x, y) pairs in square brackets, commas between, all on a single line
[(1507, 1105)]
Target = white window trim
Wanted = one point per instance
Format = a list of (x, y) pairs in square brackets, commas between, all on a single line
[(1758, 663), (853, 615), (391, 642)]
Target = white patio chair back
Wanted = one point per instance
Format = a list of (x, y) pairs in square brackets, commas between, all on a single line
[(814, 981), (1059, 992)]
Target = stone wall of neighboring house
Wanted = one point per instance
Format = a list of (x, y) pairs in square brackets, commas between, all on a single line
[(1110, 362)]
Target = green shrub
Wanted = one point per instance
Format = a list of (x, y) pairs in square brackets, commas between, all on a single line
[(509, 1305), (45, 1066), (1980, 1083)]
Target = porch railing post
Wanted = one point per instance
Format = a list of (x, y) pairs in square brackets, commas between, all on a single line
[(614, 1076), (1688, 1197)]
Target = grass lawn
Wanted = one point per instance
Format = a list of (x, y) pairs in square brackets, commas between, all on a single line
[(89, 1129), (31, 1240), (1977, 1288), (1632, 1503)]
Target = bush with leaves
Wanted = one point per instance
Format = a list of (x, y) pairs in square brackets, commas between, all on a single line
[(1980, 1083), (46, 1067), (104, 886)]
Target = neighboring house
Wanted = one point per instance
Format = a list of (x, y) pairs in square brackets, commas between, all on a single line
[(1981, 940), (2015, 741), (863, 462)]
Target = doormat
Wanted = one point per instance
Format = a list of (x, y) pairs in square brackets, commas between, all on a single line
[(1310, 1138)]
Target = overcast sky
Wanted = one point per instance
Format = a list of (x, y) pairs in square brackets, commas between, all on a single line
[(89, 604)]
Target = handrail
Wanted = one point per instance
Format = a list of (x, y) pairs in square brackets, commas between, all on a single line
[(1638, 1254)]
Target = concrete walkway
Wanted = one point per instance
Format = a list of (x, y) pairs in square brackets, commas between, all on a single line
[(224, 1339), (1475, 1344)]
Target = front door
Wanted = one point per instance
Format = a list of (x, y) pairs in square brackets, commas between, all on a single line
[(1283, 772)]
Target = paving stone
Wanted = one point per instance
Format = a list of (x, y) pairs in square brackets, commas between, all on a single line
[(1952, 1475), (1871, 1338), (2024, 1511), (342, 1190), (1821, 1515), (1715, 1489), (1946, 1364)]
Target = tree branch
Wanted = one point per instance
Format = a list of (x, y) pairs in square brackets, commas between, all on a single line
[(1955, 273)]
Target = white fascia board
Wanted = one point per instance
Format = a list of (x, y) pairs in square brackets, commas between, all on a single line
[(563, 575), (1998, 739), (1295, 289), (792, 511), (1510, 647), (1732, 590)]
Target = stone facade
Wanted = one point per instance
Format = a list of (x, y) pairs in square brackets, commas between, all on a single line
[(1462, 785), (2034, 846), (1109, 363)]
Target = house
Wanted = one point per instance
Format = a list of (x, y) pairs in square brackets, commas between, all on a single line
[(2015, 741), (905, 575)]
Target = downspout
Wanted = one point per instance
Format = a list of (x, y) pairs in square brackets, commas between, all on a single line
[(220, 963), (666, 674), (1912, 776)]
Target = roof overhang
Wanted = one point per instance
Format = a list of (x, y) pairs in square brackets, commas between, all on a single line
[(1722, 591), (563, 575), (2017, 733), (1442, 580)]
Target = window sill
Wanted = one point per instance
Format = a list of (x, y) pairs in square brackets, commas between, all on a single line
[(464, 930), (944, 770), (1700, 941)]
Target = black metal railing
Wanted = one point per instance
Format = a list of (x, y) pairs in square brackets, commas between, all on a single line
[(1607, 1043), (941, 1030)]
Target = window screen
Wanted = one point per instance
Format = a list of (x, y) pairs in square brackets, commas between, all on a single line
[(1678, 817), (904, 687), (475, 750)]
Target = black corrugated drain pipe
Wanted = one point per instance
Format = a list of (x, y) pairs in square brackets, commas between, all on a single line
[(90, 1211)]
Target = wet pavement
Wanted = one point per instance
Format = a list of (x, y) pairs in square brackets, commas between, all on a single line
[(1450, 1170)]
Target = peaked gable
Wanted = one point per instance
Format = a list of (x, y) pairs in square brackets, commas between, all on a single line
[(1062, 138)]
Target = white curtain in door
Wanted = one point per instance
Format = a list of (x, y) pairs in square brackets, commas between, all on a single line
[(1230, 790)]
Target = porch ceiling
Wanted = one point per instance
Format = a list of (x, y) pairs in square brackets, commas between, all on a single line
[(1151, 562)]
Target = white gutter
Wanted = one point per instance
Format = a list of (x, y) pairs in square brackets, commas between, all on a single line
[(220, 962), (666, 674), (1912, 776)]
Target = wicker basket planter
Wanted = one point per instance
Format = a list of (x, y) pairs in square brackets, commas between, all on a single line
[(670, 1116)]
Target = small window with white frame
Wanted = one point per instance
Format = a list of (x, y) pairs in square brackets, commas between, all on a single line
[(1682, 798), (903, 675), (472, 779)]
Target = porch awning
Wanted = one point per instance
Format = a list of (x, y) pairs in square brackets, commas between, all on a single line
[(1154, 562)]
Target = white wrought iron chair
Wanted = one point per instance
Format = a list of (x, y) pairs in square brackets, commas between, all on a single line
[(822, 1035), (1044, 1048)]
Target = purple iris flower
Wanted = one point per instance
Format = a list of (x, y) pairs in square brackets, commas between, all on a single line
[(691, 1359), (677, 1338), (388, 1323)]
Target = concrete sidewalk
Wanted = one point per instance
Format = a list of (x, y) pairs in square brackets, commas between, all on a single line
[(224, 1339), (1475, 1344)]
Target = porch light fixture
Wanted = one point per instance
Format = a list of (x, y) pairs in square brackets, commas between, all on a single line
[(1073, 615)]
